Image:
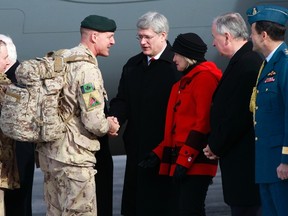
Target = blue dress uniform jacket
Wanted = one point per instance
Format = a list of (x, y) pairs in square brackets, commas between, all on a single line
[(271, 120)]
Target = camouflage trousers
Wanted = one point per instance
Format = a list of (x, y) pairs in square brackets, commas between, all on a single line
[(68, 190), (2, 206)]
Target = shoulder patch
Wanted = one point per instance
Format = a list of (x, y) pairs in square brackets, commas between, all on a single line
[(90, 96)]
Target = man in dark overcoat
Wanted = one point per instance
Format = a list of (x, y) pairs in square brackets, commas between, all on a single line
[(141, 100), (232, 136)]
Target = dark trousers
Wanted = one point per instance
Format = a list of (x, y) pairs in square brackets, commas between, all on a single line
[(192, 195), (104, 179), (245, 211), (274, 198), (18, 202)]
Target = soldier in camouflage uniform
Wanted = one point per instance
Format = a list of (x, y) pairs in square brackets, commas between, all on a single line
[(69, 186), (9, 178)]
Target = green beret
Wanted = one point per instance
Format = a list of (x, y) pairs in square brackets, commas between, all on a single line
[(99, 23)]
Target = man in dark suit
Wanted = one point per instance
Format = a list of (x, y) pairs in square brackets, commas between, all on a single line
[(270, 107), (232, 132), (142, 98)]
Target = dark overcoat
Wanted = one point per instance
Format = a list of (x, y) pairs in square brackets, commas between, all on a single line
[(141, 100), (232, 131)]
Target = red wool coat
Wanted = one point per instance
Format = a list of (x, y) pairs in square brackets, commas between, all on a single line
[(187, 122)]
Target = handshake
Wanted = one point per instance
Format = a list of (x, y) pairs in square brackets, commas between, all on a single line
[(113, 126)]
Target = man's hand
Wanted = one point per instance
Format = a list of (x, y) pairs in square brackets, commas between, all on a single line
[(209, 154), (282, 171), (113, 126)]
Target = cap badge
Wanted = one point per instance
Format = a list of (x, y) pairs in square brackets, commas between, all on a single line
[(254, 12)]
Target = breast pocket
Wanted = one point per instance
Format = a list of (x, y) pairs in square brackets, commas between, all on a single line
[(269, 96)]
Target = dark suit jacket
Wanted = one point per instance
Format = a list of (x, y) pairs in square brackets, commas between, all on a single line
[(232, 131)]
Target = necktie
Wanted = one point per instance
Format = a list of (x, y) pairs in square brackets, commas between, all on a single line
[(151, 60), (254, 91)]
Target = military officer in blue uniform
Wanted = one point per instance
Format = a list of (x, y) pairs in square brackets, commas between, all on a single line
[(270, 106)]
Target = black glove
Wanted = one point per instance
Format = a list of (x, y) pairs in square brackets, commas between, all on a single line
[(179, 173), (150, 161)]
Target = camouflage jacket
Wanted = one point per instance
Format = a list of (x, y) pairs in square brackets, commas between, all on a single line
[(84, 96), (9, 177)]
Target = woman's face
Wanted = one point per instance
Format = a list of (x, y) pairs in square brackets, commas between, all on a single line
[(180, 62), (4, 60)]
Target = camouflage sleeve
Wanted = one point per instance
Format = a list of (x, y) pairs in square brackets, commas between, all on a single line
[(91, 97)]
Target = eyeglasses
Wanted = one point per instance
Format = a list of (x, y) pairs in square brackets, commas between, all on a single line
[(145, 37)]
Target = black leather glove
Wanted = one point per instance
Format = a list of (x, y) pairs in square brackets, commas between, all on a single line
[(150, 161), (179, 173)]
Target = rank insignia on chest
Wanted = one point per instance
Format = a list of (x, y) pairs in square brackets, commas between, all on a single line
[(269, 79), (272, 73), (286, 51)]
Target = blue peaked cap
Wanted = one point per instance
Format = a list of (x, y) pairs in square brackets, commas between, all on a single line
[(272, 13)]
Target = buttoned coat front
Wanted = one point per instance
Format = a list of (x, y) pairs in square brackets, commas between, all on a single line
[(188, 122)]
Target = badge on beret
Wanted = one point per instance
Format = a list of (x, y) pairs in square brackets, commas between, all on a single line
[(90, 96)]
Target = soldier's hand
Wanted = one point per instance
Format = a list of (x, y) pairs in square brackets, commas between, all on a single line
[(113, 126)]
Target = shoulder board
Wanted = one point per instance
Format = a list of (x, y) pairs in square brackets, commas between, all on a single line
[(285, 51)]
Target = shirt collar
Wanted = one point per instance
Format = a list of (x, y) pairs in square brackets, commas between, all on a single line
[(272, 53), (156, 57)]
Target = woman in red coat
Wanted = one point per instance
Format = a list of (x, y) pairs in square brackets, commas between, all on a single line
[(187, 126)]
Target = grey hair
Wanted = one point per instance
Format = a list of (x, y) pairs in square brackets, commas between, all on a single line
[(154, 20), (11, 48), (2, 43), (232, 23)]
